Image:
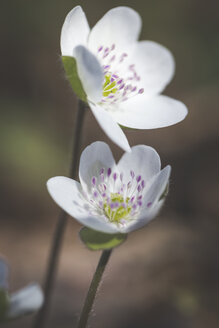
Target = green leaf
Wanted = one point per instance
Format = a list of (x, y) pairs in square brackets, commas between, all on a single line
[(72, 75), (96, 240), (4, 304)]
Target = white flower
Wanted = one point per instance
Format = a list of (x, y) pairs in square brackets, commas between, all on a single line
[(122, 78), (113, 197), (26, 301)]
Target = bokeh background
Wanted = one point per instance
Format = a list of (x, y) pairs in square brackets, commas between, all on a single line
[(165, 275)]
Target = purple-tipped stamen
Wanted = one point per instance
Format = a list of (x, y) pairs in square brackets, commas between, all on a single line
[(139, 188), (102, 170), (102, 177), (111, 206), (122, 86), (95, 194), (104, 187), (132, 174), (112, 58)]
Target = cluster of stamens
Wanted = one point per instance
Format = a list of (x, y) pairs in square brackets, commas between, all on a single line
[(118, 201), (115, 87)]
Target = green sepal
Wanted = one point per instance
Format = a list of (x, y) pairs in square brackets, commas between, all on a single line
[(4, 304), (96, 240), (127, 128), (70, 67)]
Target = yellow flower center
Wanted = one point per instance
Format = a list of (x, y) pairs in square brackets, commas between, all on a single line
[(118, 208), (109, 86)]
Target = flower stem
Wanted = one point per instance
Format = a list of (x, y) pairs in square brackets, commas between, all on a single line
[(61, 224), (93, 288)]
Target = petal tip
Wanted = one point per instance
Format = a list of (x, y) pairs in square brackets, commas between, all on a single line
[(127, 149)]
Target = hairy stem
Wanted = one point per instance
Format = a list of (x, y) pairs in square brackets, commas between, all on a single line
[(61, 223), (93, 288)]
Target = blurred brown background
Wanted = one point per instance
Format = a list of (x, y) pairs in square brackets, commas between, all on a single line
[(167, 274)]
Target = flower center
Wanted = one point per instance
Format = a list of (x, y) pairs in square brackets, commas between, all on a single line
[(109, 86), (118, 201), (117, 209), (121, 80)]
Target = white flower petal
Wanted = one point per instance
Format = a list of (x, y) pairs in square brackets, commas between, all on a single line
[(90, 73), (151, 202), (120, 26), (143, 160), (25, 301), (67, 193), (142, 220), (154, 64), (95, 157), (141, 112), (156, 189), (74, 32), (110, 127)]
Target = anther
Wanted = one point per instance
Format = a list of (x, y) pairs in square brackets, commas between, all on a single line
[(132, 174), (102, 171), (114, 176), (109, 171), (94, 180)]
